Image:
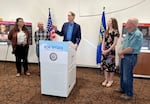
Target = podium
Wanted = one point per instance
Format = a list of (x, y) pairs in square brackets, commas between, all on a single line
[(58, 67)]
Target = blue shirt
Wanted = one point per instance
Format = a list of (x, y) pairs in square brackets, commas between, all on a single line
[(69, 31), (133, 40)]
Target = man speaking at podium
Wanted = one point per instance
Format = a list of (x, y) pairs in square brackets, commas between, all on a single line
[(71, 31)]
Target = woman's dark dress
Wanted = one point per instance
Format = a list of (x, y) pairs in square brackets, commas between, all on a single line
[(108, 60)]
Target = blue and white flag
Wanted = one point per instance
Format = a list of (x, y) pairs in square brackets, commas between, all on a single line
[(102, 30)]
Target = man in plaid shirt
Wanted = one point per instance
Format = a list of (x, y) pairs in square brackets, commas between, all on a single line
[(40, 34)]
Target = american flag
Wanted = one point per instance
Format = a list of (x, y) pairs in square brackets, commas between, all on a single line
[(49, 23), (50, 28)]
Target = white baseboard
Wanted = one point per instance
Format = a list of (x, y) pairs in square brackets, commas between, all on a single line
[(141, 76)]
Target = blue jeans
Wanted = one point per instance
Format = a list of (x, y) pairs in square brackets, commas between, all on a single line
[(126, 73)]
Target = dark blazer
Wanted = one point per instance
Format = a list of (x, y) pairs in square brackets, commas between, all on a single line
[(76, 34)]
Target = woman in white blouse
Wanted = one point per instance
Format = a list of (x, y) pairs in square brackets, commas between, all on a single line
[(19, 36)]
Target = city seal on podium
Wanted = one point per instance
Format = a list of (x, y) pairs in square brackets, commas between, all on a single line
[(53, 56)]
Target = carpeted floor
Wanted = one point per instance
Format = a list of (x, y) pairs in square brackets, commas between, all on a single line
[(88, 89)]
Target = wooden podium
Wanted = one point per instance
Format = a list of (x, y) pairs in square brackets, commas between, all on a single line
[(142, 68), (58, 68)]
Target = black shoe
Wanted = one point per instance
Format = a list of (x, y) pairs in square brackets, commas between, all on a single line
[(125, 97), (119, 90)]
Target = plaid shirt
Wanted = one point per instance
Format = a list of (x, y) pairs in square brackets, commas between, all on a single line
[(44, 35)]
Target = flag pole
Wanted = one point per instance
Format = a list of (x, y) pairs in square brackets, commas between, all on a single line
[(104, 8), (49, 9)]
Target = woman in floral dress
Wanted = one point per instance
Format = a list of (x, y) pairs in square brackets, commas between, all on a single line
[(110, 39)]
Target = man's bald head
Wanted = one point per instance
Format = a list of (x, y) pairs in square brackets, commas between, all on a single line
[(40, 25), (40, 22), (132, 23)]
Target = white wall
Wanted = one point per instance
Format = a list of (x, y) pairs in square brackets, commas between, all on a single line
[(35, 10)]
